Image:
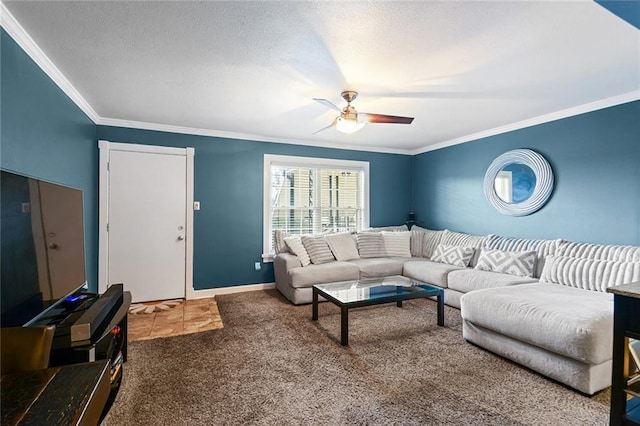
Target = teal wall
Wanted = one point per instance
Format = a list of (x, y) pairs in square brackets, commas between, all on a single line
[(43, 134), (596, 162), (228, 183)]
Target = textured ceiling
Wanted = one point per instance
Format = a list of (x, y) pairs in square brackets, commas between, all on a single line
[(251, 69)]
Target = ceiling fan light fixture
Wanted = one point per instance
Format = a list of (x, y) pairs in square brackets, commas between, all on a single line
[(346, 125)]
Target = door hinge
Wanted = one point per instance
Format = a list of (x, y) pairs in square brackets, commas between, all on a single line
[(107, 227), (108, 165)]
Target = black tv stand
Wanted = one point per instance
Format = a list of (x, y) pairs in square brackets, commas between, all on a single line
[(93, 328)]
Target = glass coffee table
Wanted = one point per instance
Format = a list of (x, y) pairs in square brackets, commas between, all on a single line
[(373, 291)]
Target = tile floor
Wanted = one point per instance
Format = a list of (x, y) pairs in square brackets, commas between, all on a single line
[(191, 316)]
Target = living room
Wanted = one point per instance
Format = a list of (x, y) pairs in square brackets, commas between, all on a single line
[(593, 152)]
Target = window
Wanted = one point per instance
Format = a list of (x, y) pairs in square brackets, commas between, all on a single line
[(313, 196)]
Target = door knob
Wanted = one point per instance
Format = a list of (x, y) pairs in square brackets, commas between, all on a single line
[(180, 238), (53, 246)]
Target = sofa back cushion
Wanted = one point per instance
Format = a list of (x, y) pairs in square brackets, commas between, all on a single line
[(600, 251), (371, 244), (589, 274), (451, 238), (519, 263), (318, 249), (279, 245), (295, 246), (397, 244), (343, 246), (453, 255)]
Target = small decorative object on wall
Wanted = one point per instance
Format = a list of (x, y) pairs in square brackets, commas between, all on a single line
[(518, 182)]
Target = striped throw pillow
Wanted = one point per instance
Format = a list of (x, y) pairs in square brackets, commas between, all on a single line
[(371, 244), (318, 249)]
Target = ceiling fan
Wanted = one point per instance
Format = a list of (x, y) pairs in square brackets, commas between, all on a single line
[(350, 120)]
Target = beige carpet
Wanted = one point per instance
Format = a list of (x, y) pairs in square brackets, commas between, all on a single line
[(173, 319), (272, 365)]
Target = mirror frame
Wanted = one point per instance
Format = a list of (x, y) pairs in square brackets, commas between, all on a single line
[(541, 192)]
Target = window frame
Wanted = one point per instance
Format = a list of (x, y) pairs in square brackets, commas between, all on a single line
[(311, 162)]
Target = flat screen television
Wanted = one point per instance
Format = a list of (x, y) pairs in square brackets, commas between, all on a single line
[(42, 260)]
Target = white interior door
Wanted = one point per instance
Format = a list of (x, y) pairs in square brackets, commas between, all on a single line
[(147, 222)]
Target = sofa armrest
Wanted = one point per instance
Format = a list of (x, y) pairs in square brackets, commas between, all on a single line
[(282, 264)]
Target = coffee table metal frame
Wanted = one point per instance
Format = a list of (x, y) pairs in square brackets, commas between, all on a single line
[(426, 291)]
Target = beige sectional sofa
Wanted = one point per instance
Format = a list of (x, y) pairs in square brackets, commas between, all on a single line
[(547, 309)]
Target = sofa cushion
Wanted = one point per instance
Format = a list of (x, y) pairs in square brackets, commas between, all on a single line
[(589, 274), (379, 267), (453, 255), (397, 243), (343, 246), (294, 243), (519, 263), (396, 228), (451, 238), (371, 244), (565, 320), (424, 241), (466, 280), (600, 251), (324, 273), (279, 245), (429, 272)]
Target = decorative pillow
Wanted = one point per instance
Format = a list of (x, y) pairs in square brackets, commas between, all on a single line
[(343, 246), (451, 238), (397, 244), (589, 274), (278, 241), (294, 243), (453, 255), (371, 244), (543, 248), (318, 249), (520, 263)]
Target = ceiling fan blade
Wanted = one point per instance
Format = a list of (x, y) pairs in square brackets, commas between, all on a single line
[(327, 103), (325, 128), (381, 118)]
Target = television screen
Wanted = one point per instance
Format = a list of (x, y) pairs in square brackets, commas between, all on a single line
[(42, 246)]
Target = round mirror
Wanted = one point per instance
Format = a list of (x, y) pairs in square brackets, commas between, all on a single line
[(515, 183), (518, 182)]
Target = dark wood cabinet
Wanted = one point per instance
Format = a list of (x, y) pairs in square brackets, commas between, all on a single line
[(625, 383)]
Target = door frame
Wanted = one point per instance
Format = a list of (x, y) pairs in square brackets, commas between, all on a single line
[(105, 148)]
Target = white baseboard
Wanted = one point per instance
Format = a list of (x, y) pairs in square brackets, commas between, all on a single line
[(211, 292)]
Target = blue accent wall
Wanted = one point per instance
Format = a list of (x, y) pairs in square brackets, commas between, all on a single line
[(629, 10), (45, 135), (228, 182), (595, 158)]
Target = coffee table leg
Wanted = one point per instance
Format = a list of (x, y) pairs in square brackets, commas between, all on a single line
[(344, 326), (314, 307), (399, 303), (441, 308)]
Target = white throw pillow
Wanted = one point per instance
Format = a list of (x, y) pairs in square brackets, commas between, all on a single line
[(294, 243), (453, 255), (519, 263), (343, 246), (398, 243)]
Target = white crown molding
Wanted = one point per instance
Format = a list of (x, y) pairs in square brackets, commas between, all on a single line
[(24, 40), (243, 136), (546, 118)]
